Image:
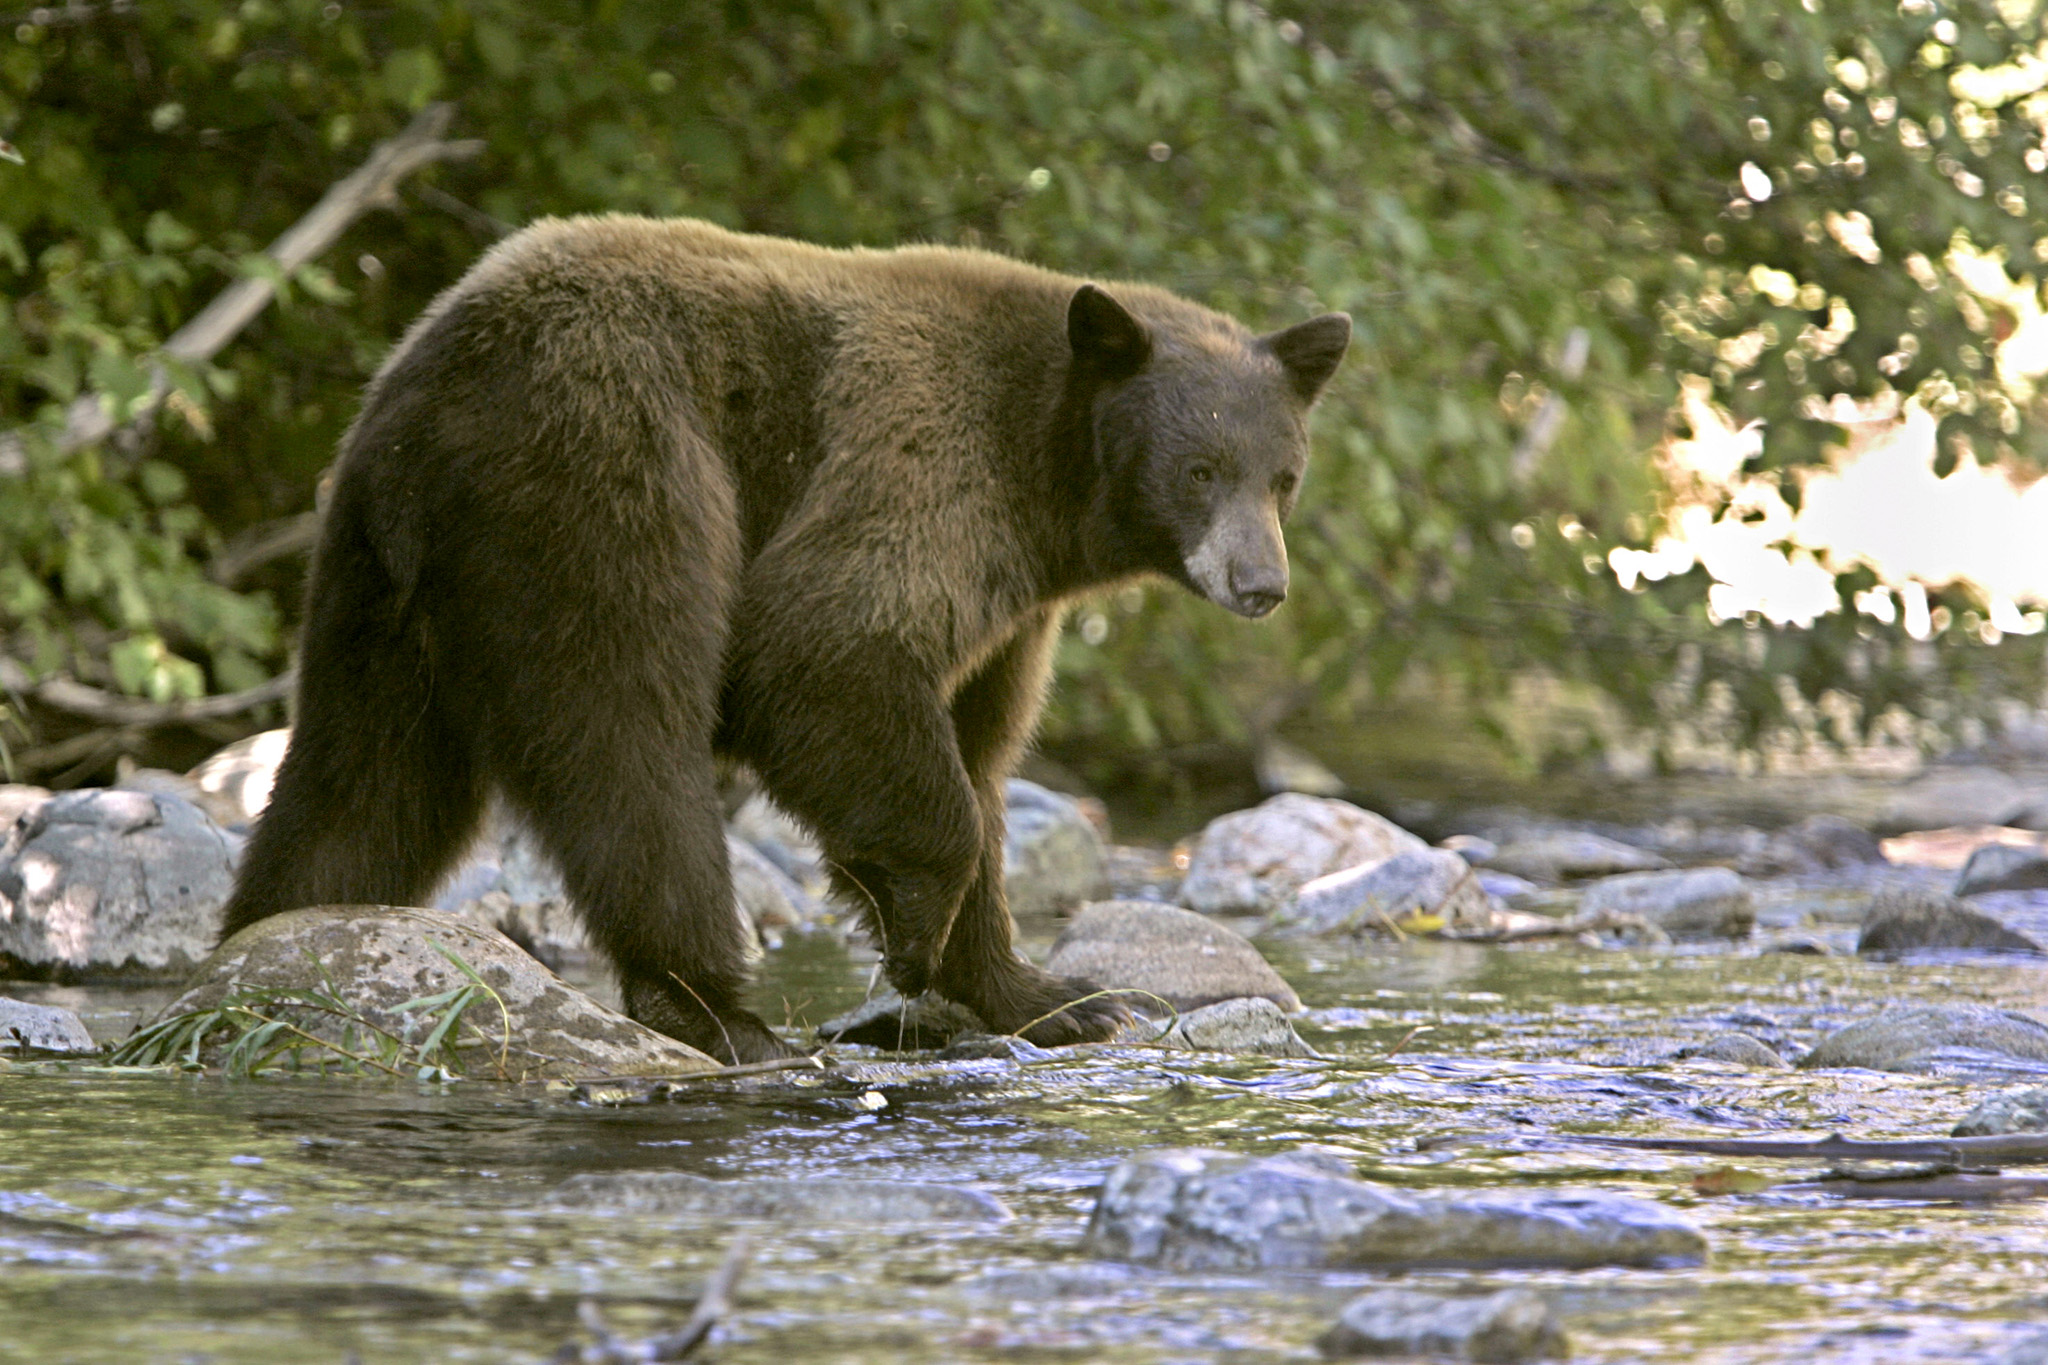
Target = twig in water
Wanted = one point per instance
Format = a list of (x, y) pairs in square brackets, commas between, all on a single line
[(713, 1303), (1409, 1037)]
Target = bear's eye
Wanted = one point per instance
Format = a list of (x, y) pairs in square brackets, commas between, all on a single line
[(1201, 473), (1285, 484)]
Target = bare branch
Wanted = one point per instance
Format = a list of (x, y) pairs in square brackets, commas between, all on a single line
[(271, 541), (371, 185), (108, 708)]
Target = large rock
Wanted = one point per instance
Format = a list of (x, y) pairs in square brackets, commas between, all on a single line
[(377, 958), (1253, 861), (114, 884), (1698, 903), (1253, 1026), (1053, 858), (240, 776), (1931, 1038), (1946, 796), (1376, 898), (2002, 867), (1555, 855), (1198, 1210), (675, 1194), (1180, 957), (2009, 1111), (41, 1028), (1504, 1328), (1909, 919)]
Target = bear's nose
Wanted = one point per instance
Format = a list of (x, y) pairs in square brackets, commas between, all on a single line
[(1257, 590)]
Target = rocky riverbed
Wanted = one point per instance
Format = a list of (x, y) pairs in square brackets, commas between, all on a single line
[(1388, 1140)]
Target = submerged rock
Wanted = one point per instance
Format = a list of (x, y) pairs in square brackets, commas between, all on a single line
[(886, 1020), (1252, 861), (1908, 919), (1506, 1328), (1698, 903), (1253, 1026), (1377, 897), (377, 958), (1556, 855), (2011, 1111), (1053, 858), (112, 883), (41, 1028), (1930, 1038), (2002, 867), (1182, 958), (1192, 1209), (675, 1194), (1000, 1047), (1740, 1049)]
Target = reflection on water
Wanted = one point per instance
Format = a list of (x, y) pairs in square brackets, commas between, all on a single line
[(158, 1218)]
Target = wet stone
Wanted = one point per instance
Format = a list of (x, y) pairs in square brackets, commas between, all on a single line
[(886, 1020), (676, 1194), (105, 883), (1506, 1328), (2002, 867), (1252, 861), (1052, 853), (2010, 1111), (1960, 795), (1253, 1026), (1903, 919), (1557, 855), (981, 1047), (377, 958), (16, 800), (1739, 1049), (1194, 1209), (1929, 1039), (41, 1028), (1183, 959), (1376, 897), (1698, 903)]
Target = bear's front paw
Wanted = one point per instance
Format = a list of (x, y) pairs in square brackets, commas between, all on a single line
[(1063, 1010)]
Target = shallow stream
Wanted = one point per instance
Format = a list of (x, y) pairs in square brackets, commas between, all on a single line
[(153, 1217)]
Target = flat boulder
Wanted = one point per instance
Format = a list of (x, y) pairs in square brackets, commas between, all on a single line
[(1183, 959), (1504, 1328), (1192, 1209), (106, 883), (377, 959), (677, 1194), (1416, 889), (1053, 856), (1929, 1039), (1911, 919), (41, 1028), (1557, 855), (1696, 903), (1253, 861)]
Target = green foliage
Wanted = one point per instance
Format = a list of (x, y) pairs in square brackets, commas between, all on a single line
[(1475, 181)]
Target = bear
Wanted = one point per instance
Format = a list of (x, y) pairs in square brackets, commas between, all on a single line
[(637, 500)]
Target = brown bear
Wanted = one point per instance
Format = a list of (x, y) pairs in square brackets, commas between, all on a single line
[(636, 496)]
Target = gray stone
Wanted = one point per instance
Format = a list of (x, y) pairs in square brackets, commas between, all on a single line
[(1740, 1049), (885, 1020), (769, 898), (1555, 855), (1505, 886), (1253, 1026), (1191, 1209), (2009, 1111), (112, 883), (1142, 874), (675, 1194), (163, 782), (1283, 767), (999, 1047), (1697, 903), (1184, 959), (42, 1028), (549, 930), (1505, 1328), (380, 957), (1823, 842), (1473, 848), (1928, 1038), (1909, 919), (782, 841), (1374, 898), (1949, 796), (16, 800), (240, 776), (1052, 853), (1253, 861), (2001, 867)]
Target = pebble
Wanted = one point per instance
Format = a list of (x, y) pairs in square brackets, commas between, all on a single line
[(1740, 1049)]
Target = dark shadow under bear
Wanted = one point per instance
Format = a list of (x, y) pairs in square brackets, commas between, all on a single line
[(637, 495)]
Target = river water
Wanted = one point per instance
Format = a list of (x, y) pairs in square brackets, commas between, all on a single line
[(152, 1217)]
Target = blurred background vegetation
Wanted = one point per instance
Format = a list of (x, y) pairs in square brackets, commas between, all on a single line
[(1544, 216)]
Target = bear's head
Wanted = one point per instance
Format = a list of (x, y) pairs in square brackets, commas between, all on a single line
[(1201, 436)]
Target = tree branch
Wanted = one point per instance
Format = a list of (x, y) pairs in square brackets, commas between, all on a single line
[(371, 185), (109, 708)]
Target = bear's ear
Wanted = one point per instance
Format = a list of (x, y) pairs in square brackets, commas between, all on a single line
[(1107, 341), (1309, 351)]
